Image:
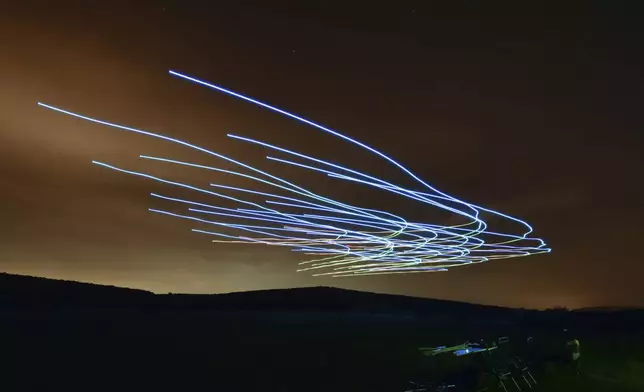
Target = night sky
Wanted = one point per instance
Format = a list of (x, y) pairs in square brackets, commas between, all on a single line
[(535, 112)]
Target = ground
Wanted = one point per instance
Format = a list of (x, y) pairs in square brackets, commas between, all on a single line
[(207, 343)]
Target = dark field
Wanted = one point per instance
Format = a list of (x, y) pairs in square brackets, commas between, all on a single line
[(69, 336)]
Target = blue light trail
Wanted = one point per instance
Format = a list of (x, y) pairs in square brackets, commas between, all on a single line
[(346, 240)]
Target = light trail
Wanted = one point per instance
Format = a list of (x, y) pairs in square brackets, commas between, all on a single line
[(346, 240)]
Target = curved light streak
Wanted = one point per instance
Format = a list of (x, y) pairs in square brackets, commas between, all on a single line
[(346, 240)]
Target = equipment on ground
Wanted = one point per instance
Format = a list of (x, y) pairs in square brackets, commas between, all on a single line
[(497, 358)]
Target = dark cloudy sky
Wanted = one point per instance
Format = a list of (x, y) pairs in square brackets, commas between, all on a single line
[(535, 112)]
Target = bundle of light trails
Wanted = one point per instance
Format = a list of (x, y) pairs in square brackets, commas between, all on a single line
[(338, 239)]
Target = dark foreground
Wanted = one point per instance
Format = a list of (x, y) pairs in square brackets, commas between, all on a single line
[(68, 336)]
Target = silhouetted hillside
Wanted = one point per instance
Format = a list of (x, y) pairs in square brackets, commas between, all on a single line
[(18, 291), (74, 336), (328, 299), (34, 292)]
